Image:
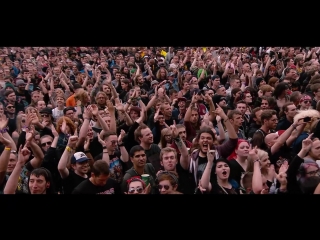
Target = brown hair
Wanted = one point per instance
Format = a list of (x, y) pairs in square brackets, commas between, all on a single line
[(267, 115), (137, 132), (167, 150), (272, 81), (266, 88), (164, 132)]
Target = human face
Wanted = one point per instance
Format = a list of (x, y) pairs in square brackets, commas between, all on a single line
[(99, 180), (11, 109), (264, 104), (222, 91), (222, 170), (69, 114), (236, 83), (181, 104), (265, 162), (60, 101), (165, 187), (12, 97), (241, 107), (315, 150), (139, 159), (194, 116), (292, 111), (101, 99), (169, 161), (112, 143), (306, 104), (237, 120), (182, 133), (135, 188), (45, 143), (12, 162), (167, 110), (146, 136), (311, 170), (205, 140), (38, 185), (248, 98), (1, 110), (134, 115), (272, 122), (258, 116), (243, 149), (41, 105), (81, 168)]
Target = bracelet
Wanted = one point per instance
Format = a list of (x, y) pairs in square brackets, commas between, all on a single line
[(104, 147), (105, 152), (4, 130), (120, 144), (87, 151), (294, 126), (7, 148), (257, 160), (69, 149)]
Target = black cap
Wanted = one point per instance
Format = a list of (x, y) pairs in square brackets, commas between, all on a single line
[(46, 110)]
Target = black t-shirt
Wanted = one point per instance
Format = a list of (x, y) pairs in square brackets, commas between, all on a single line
[(284, 154), (185, 181), (95, 147), (117, 167), (236, 171), (87, 187), (72, 181), (153, 156), (216, 189)]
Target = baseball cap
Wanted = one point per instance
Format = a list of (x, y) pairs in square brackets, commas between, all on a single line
[(79, 157), (20, 82), (182, 99), (154, 82), (46, 110), (170, 74)]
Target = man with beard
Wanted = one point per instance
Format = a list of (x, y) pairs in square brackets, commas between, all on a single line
[(144, 136), (289, 110), (269, 122), (255, 121), (197, 160), (79, 166)]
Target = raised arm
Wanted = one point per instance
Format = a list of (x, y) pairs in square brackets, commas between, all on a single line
[(5, 157), (12, 183), (66, 156), (257, 185), (205, 178), (36, 150)]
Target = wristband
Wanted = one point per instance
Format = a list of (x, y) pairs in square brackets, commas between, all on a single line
[(7, 148)]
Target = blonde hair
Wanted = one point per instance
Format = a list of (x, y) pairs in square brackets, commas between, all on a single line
[(261, 154), (314, 114)]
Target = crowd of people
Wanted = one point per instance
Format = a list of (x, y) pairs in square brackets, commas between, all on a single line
[(159, 120)]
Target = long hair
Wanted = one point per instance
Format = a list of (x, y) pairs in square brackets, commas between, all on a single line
[(233, 154), (164, 132), (69, 122)]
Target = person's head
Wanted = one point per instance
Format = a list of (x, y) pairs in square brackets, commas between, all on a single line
[(309, 168), (221, 90), (305, 102), (194, 118), (82, 96), (13, 159), (35, 97), (70, 126), (220, 100), (182, 102), (46, 114), (80, 163), (264, 161), (269, 118), (222, 169), (10, 95), (235, 81), (69, 112), (289, 110), (273, 82), (45, 142), (168, 159), (167, 182), (235, 118), (166, 137), (260, 81), (143, 134), (182, 131), (215, 80), (272, 138), (101, 98), (310, 185), (40, 181), (166, 109), (100, 173), (256, 115), (236, 93), (280, 90), (111, 140), (241, 150), (138, 156), (135, 185), (41, 105), (205, 139), (241, 106), (295, 97), (266, 90)]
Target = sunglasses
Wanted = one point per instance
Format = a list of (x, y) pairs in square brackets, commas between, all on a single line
[(10, 107), (166, 187), (138, 189), (44, 115), (305, 102), (46, 143), (113, 142)]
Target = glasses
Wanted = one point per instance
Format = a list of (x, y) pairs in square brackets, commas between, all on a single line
[(10, 107), (305, 102), (316, 172), (210, 93), (138, 189), (44, 115), (46, 143), (166, 187)]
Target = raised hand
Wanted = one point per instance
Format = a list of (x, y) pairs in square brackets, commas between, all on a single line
[(4, 140), (307, 143), (210, 154), (174, 130), (23, 155)]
